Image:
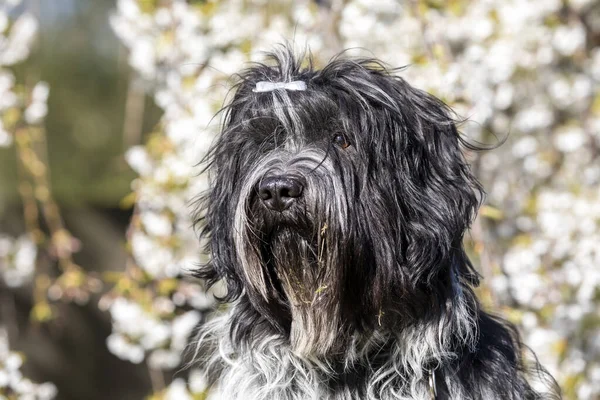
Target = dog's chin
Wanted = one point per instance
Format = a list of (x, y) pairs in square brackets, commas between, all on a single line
[(290, 255), (294, 256), (288, 232)]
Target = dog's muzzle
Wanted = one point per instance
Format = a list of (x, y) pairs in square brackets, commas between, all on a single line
[(279, 192)]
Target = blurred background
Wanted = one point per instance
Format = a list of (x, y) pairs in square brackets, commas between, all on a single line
[(105, 111)]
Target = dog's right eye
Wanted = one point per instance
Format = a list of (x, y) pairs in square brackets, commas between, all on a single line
[(341, 140)]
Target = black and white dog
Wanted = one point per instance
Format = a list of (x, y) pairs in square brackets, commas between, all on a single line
[(336, 218)]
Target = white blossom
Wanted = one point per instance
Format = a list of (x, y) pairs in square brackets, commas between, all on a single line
[(156, 224), (199, 381), (12, 382), (138, 332), (17, 260), (5, 138), (568, 39), (178, 391), (36, 112), (139, 160), (16, 45), (569, 140)]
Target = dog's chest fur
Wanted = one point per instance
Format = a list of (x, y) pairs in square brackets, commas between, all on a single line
[(272, 371), (381, 367)]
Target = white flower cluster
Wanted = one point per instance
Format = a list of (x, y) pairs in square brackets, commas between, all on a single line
[(17, 260), (16, 38), (12, 383), (514, 66), (17, 256), (8, 100), (194, 388), (18, 108), (38, 108), (164, 50), (16, 42), (137, 331), (565, 235)]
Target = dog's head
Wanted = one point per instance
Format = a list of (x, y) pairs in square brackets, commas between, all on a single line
[(338, 204)]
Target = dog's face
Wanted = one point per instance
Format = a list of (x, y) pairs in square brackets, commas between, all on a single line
[(336, 209)]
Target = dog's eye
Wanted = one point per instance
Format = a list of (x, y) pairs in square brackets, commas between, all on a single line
[(341, 140)]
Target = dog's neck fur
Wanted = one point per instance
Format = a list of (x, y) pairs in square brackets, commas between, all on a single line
[(271, 370), (386, 365)]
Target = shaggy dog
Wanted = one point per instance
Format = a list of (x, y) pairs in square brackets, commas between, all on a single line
[(336, 218)]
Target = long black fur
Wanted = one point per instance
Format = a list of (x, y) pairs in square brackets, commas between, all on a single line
[(372, 252)]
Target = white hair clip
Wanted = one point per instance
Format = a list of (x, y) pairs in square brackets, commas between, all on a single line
[(270, 86)]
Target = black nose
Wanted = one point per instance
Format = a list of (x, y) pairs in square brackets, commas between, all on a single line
[(279, 192)]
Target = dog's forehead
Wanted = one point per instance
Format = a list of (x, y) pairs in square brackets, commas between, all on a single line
[(358, 98), (310, 113)]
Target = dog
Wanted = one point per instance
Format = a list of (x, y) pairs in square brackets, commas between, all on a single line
[(339, 202)]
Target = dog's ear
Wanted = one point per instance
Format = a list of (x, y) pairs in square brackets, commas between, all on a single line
[(415, 147), (215, 208), (440, 195), (212, 219), (415, 185)]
